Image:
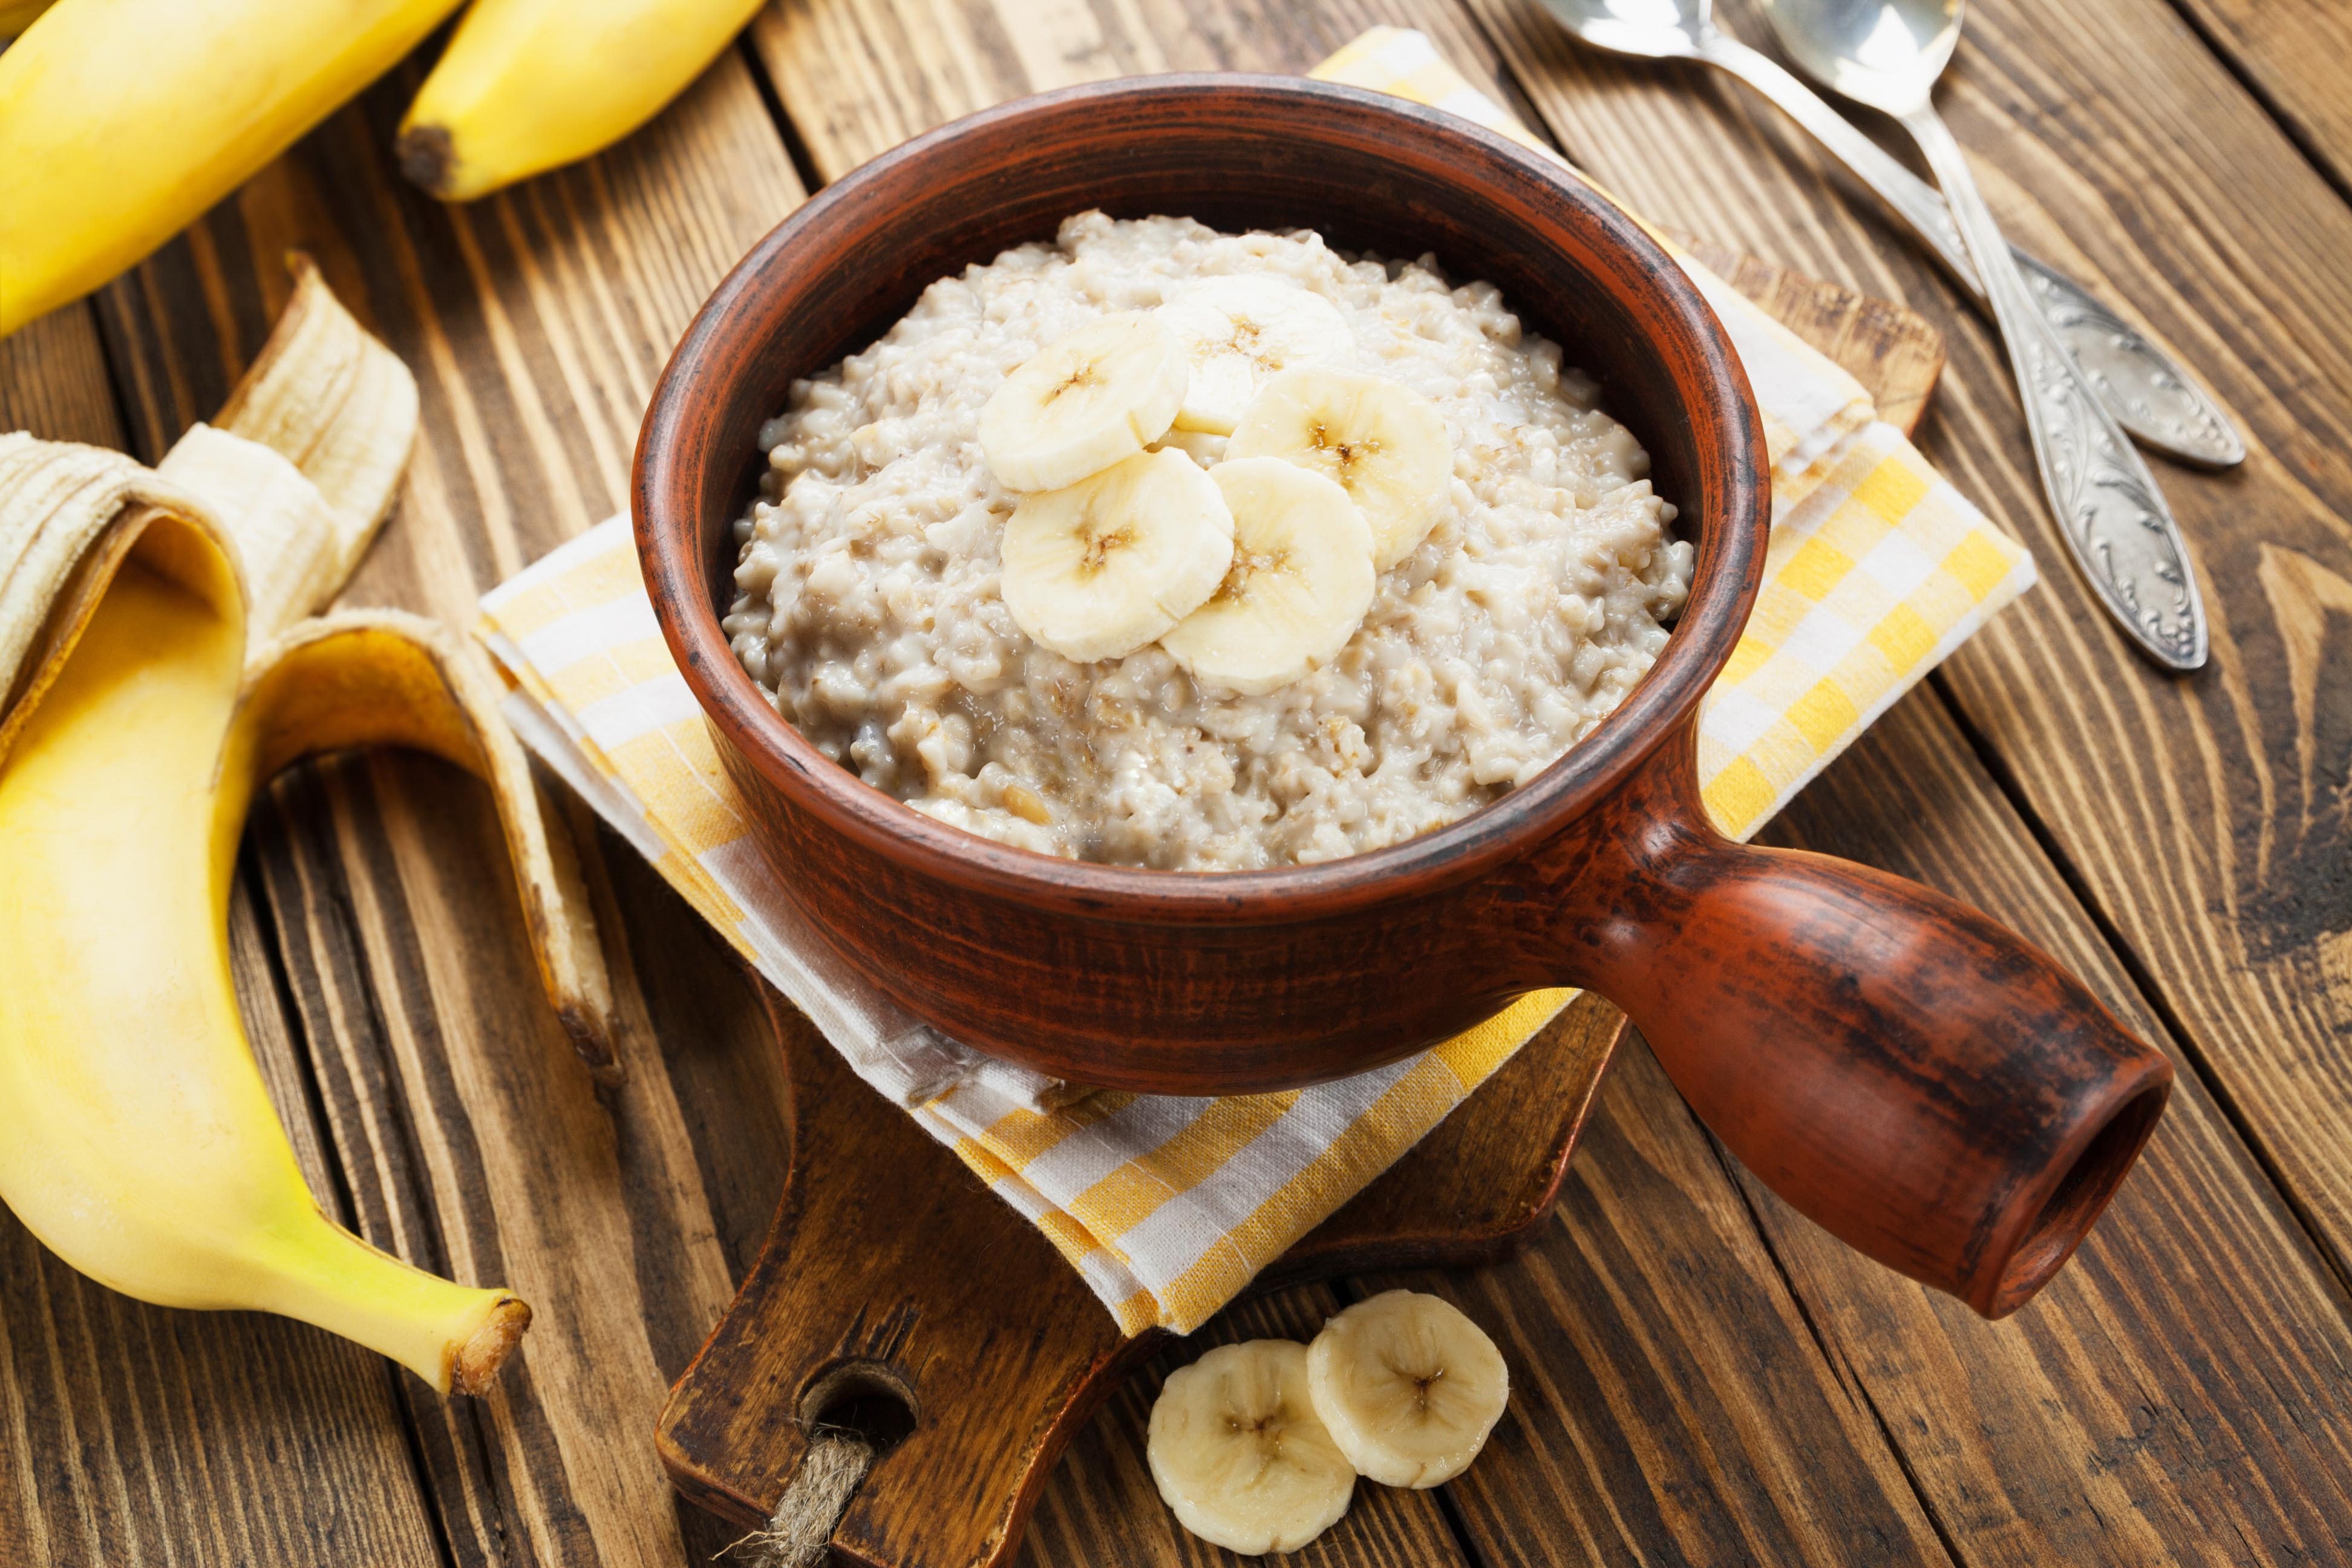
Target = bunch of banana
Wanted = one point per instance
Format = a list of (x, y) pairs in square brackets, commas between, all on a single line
[(1257, 1447), (153, 672), (121, 120), (1250, 573)]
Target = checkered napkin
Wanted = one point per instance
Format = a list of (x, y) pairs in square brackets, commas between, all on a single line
[(1169, 1205)]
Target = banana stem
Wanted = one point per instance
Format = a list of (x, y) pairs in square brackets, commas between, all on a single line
[(453, 1336)]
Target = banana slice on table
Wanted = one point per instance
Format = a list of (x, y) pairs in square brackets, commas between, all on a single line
[(1384, 443), (1084, 402), (1238, 332), (1240, 1455), (1300, 580), (1100, 568), (1408, 1388)]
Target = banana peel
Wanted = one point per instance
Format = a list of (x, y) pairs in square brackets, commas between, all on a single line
[(156, 668)]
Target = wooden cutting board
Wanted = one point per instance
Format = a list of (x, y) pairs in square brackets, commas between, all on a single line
[(898, 1299)]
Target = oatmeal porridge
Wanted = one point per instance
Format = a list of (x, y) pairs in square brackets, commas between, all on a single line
[(1161, 546)]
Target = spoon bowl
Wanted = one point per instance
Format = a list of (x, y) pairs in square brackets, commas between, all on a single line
[(1643, 29), (1884, 53)]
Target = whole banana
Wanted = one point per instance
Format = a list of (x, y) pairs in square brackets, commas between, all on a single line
[(526, 85), (121, 120)]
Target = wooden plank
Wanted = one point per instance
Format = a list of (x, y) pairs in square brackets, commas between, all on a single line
[(2196, 1342), (469, 1138), (1897, 355), (2294, 55), (858, 76), (2197, 814), (2204, 815), (1102, 1508), (1669, 1402), (53, 380)]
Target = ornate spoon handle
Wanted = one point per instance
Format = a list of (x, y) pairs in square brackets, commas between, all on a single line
[(2110, 509), (2147, 390)]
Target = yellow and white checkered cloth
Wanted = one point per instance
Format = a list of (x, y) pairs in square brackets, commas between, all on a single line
[(1169, 1206)]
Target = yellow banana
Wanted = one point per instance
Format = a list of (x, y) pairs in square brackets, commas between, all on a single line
[(16, 15), (121, 120), (526, 85), (153, 693)]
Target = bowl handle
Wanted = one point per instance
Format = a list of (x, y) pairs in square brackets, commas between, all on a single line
[(1913, 1077)]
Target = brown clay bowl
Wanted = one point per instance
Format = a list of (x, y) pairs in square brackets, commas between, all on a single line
[(1915, 1077)]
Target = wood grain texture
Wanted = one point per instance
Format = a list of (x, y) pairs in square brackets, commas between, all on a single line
[(1669, 1401), (53, 380), (2128, 773), (2206, 818), (1896, 353), (2180, 1408), (2292, 53), (989, 1342), (2104, 1423)]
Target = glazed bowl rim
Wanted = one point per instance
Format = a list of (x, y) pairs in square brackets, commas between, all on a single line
[(1723, 590)]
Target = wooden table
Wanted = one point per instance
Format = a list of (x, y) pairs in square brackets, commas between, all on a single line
[(1701, 1376)]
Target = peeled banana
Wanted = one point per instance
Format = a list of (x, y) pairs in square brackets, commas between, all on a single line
[(1238, 332), (1239, 1454), (1101, 568), (526, 85), (1258, 1447), (1385, 444), (1299, 584), (121, 120), (1090, 398), (1408, 1386), (144, 694)]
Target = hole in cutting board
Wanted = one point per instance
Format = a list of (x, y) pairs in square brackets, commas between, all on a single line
[(869, 1398)]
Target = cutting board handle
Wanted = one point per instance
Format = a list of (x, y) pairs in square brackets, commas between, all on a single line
[(1905, 1072)]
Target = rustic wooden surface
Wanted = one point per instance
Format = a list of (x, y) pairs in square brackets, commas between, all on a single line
[(1701, 1376)]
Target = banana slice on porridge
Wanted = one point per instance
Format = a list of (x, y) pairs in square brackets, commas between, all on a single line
[(1379, 440), (1239, 1454), (1100, 568), (1090, 398), (1240, 332), (1408, 1388), (1297, 585)]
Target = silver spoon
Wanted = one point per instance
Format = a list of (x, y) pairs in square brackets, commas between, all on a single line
[(1888, 54), (2148, 391)]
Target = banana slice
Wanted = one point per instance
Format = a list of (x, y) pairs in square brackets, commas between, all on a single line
[(1083, 401), (1240, 1455), (1102, 567), (1198, 444), (1239, 331), (1300, 580), (1408, 1386), (1384, 443)]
